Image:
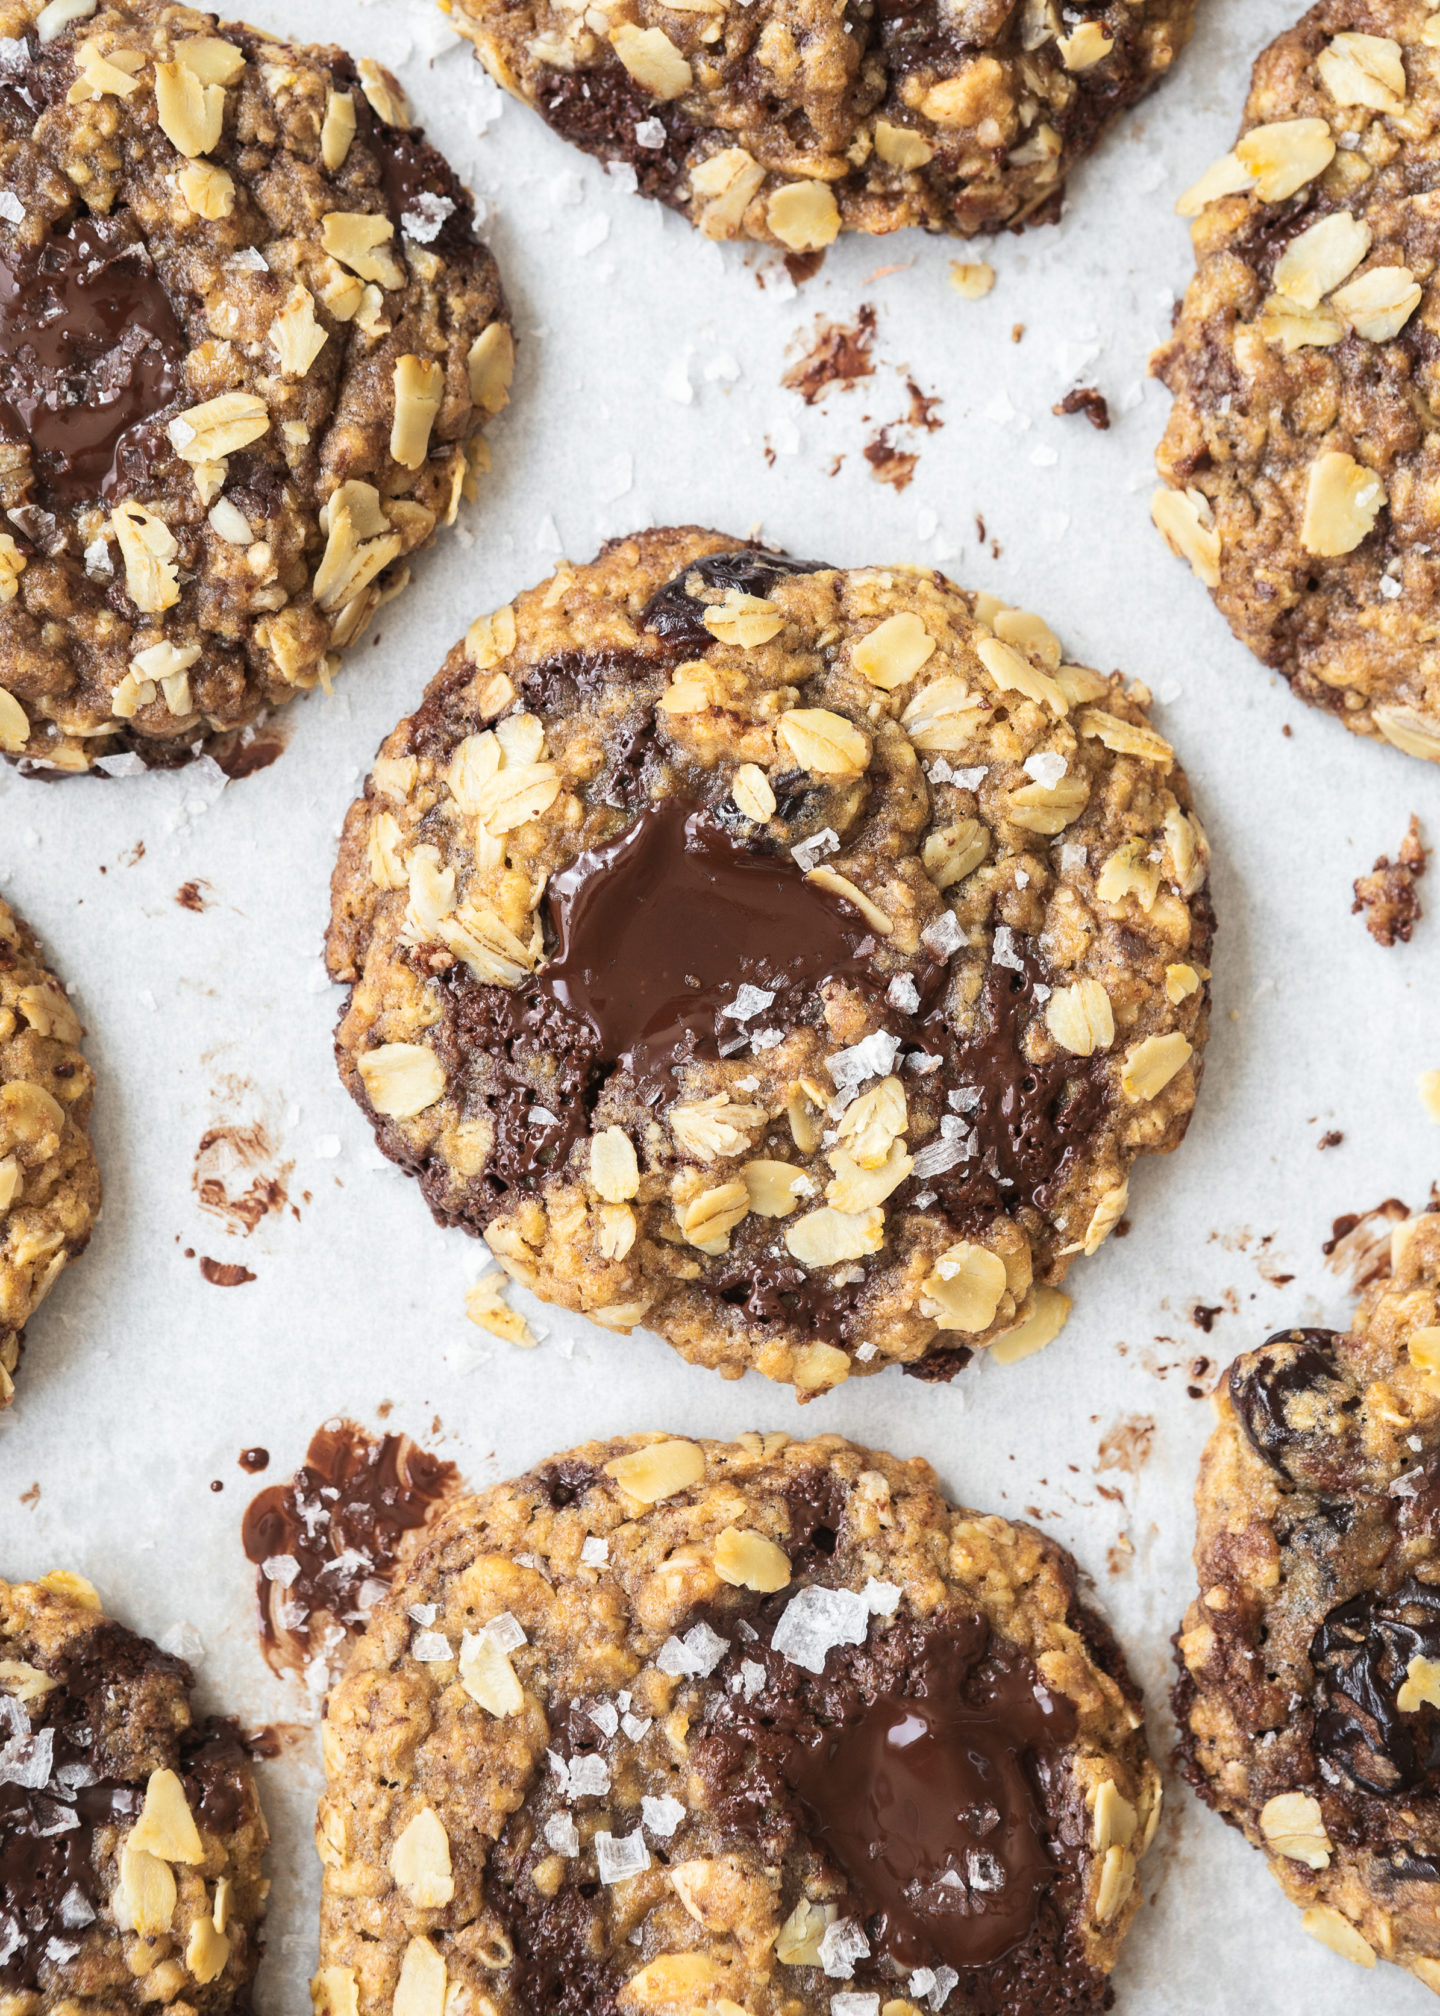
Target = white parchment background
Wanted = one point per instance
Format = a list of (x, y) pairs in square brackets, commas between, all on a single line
[(649, 382)]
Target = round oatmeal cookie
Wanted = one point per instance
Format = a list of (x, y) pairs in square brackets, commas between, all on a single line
[(764, 1725), (49, 1184), (131, 1838), (789, 959), (1309, 1697), (248, 339), (791, 123), (1303, 449)]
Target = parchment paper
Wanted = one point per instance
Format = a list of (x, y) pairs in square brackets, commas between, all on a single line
[(649, 390)]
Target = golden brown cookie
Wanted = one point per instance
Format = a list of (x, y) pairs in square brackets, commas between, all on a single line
[(789, 959), (1302, 452), (790, 123), (247, 339), (49, 1184), (765, 1725), (131, 1839), (1309, 1697)]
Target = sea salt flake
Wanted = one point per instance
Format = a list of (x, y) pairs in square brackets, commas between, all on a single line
[(864, 1352), (1047, 767), (983, 1872), (902, 993), (562, 1834), (751, 1678), (11, 208), (596, 1552), (432, 1647), (872, 1057), (75, 1909), (28, 1760), (620, 1856), (921, 1062), (505, 1633), (427, 220), (973, 778), (57, 1819), (842, 1945), (281, 1568), (636, 1726), (661, 1816), (183, 1641), (61, 1951), (423, 1614), (1073, 858), (589, 1777), (767, 1039), (944, 937), (696, 1655), (945, 1979), (922, 1981), (1003, 952), (604, 1715), (815, 1621), (882, 1597), (748, 1002), (939, 772), (815, 849), (854, 2005), (650, 133)]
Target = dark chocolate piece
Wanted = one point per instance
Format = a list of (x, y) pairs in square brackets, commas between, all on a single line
[(674, 614), (1361, 1655)]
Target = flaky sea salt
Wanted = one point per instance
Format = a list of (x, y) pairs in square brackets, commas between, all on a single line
[(650, 133), (596, 1552), (748, 1001), (842, 1944), (619, 1856), (815, 1621), (562, 1834), (1003, 951), (954, 1145), (636, 1726), (505, 1632), (816, 849), (428, 219), (872, 1057), (604, 1715), (432, 1647), (661, 1816), (902, 993), (944, 937), (854, 2005), (697, 1654), (281, 1568), (589, 1778), (883, 1598)]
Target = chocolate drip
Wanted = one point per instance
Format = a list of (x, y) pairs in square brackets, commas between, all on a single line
[(90, 351), (352, 1497), (1361, 1655), (50, 1885), (653, 932), (1313, 1444), (673, 614)]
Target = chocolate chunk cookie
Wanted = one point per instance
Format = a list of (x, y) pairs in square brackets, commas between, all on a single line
[(130, 1835), (791, 960), (1309, 1701), (247, 340), (49, 1185), (1302, 450), (766, 1725), (791, 123)]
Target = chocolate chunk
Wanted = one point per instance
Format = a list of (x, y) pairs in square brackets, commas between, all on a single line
[(599, 110), (90, 351), (673, 614), (341, 1518), (1294, 1406), (654, 931), (1087, 400), (1361, 1654)]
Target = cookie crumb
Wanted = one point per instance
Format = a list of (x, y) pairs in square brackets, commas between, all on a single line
[(1387, 896), (1087, 400), (1330, 1140), (224, 1273), (486, 1306)]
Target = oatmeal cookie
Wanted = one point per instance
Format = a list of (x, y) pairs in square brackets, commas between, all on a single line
[(248, 338), (767, 1725), (49, 1185), (1309, 1697), (791, 960), (1303, 449), (790, 123), (131, 1838)]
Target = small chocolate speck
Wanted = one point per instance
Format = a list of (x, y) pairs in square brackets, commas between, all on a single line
[(224, 1273), (1330, 1140), (1087, 400)]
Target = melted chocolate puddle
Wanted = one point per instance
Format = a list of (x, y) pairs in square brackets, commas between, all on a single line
[(340, 1520), (654, 933), (90, 350)]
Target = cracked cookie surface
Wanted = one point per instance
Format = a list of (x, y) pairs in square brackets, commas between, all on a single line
[(248, 339), (789, 959), (1309, 1696), (49, 1184), (131, 1838), (763, 1725), (789, 122), (1302, 450)]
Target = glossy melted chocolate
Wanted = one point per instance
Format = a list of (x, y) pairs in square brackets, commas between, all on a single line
[(928, 1803), (342, 1517), (90, 351)]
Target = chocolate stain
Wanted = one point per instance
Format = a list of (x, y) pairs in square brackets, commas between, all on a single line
[(188, 896), (1358, 1249), (224, 1273), (839, 354), (1330, 1140), (889, 464), (1127, 1445), (342, 1520), (238, 1175)]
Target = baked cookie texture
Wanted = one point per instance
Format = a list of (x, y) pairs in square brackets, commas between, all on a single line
[(791, 123), (790, 959), (1309, 1697), (1302, 450), (764, 1725), (49, 1184), (248, 340), (131, 1838)]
